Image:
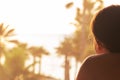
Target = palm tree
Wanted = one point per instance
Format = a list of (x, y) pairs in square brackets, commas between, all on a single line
[(38, 52), (65, 49), (41, 51), (5, 35), (81, 45), (83, 18), (15, 60)]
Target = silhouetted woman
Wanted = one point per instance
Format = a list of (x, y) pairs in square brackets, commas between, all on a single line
[(106, 32)]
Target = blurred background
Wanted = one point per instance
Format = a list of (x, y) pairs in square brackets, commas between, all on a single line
[(46, 39)]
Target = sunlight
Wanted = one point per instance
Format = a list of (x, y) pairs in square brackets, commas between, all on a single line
[(44, 23), (51, 66), (55, 66), (110, 2), (30, 22), (2, 60), (37, 18)]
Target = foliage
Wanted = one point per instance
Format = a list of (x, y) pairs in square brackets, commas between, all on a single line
[(15, 61), (5, 34), (65, 47), (14, 65), (37, 51), (5, 37), (80, 40), (79, 46), (15, 58)]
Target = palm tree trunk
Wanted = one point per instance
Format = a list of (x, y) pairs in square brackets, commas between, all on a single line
[(67, 66), (0, 50), (34, 64), (39, 65)]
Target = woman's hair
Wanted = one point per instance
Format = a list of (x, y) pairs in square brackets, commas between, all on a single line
[(106, 28)]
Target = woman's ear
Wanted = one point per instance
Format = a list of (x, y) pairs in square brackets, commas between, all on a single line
[(99, 49)]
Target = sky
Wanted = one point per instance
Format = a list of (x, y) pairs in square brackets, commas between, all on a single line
[(110, 2), (35, 16), (38, 22), (41, 22)]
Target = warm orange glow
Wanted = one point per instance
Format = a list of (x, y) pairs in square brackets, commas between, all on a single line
[(42, 22)]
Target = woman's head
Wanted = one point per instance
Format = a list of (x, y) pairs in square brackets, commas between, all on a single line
[(106, 28)]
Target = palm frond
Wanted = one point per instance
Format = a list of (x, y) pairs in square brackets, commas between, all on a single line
[(9, 33), (69, 5), (14, 41), (5, 29), (1, 29)]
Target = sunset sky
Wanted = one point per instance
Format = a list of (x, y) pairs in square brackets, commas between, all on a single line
[(40, 22)]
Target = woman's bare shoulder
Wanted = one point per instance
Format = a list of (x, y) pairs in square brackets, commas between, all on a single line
[(97, 63), (87, 67)]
